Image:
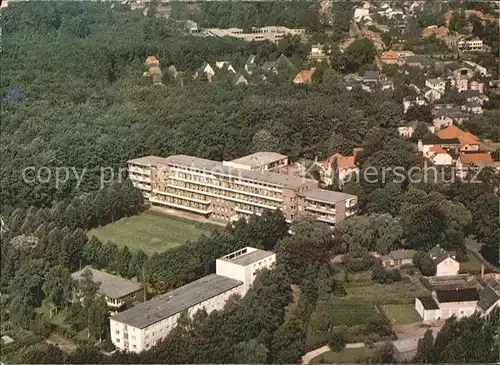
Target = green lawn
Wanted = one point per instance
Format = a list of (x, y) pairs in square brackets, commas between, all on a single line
[(58, 319), (473, 265), (151, 231), (345, 356), (401, 313)]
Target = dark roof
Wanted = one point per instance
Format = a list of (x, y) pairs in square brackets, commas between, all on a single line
[(438, 254), (416, 58), (487, 297), (402, 254), (458, 295), (111, 286), (447, 112), (449, 141), (428, 302), (175, 301), (371, 75), (470, 93)]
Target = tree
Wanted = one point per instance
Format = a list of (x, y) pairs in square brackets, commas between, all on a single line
[(98, 315), (360, 52), (424, 350), (424, 263), (46, 354), (58, 287), (86, 354), (289, 342), (250, 352), (263, 140), (458, 22), (337, 339)]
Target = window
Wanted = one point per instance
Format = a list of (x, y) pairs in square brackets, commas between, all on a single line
[(118, 340), (117, 332), (133, 295), (134, 346), (133, 337)]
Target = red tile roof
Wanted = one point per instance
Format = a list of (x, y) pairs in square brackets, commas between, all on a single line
[(478, 159), (454, 132), (343, 162), (437, 149)]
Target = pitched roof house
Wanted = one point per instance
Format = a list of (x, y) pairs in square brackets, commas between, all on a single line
[(489, 299), (439, 32), (390, 57), (240, 79), (439, 156), (443, 304), (304, 76), (224, 65), (205, 69), (475, 159), (397, 258), (445, 261), (468, 141)]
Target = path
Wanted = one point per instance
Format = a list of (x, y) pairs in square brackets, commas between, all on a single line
[(306, 359), (63, 343)]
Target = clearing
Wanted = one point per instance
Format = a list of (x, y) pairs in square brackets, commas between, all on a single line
[(151, 232), (63, 343), (401, 313), (344, 356)]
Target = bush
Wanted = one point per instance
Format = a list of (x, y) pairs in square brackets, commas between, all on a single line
[(411, 271), (357, 263), (383, 276), (337, 339)]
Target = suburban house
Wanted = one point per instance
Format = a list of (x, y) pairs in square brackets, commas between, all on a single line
[(443, 304), (416, 61), (445, 261), (205, 69), (143, 326), (224, 65), (442, 121), (119, 293), (398, 258), (240, 79), (489, 299), (346, 165), (317, 52), (437, 88), (304, 76), (390, 57), (154, 71), (474, 96), (468, 141), (448, 110), (250, 65), (439, 156), (470, 45), (439, 32), (408, 129), (468, 160)]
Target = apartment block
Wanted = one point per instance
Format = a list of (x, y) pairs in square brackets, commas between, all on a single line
[(229, 190), (271, 33), (143, 326)]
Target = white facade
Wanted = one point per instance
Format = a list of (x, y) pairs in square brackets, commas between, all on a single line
[(426, 314), (441, 159), (243, 265), (447, 267), (129, 338), (446, 310)]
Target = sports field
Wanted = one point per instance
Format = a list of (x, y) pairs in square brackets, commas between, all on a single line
[(151, 231)]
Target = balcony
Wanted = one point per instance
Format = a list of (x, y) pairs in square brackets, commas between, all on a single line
[(138, 170), (239, 191), (140, 178), (114, 303), (326, 219), (244, 211), (178, 206), (182, 197), (225, 197), (318, 209)]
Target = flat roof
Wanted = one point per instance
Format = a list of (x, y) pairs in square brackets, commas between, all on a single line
[(217, 167), (259, 159), (326, 196), (249, 257), (176, 301), (112, 286), (147, 160)]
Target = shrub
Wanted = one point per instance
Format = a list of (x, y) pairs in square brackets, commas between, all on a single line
[(337, 339), (383, 276)]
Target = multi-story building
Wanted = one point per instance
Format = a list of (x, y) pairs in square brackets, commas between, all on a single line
[(143, 326), (227, 191), (272, 33), (475, 44), (119, 293)]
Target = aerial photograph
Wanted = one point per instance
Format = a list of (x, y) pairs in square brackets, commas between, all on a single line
[(249, 182)]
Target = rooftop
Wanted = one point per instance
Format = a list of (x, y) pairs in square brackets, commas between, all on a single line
[(246, 257), (112, 286), (258, 159), (477, 158), (406, 345), (438, 254), (402, 254), (487, 297), (218, 168), (428, 302), (176, 301), (326, 196), (454, 132), (458, 295)]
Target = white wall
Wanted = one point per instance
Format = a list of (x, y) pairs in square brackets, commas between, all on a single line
[(458, 309), (442, 159), (447, 267)]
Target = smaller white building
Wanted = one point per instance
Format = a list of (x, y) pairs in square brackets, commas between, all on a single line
[(243, 265), (445, 261), (443, 304)]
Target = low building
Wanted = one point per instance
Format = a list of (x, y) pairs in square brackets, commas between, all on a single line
[(206, 70), (398, 258), (439, 156), (260, 161), (434, 30), (489, 299), (405, 350), (442, 121), (468, 141), (390, 57), (443, 304), (445, 261), (317, 52), (346, 165), (270, 33), (304, 76), (470, 45), (119, 293), (474, 160), (143, 326)]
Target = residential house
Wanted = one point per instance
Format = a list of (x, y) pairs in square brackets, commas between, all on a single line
[(470, 160), (419, 101), (416, 61), (205, 69), (152, 61), (374, 37), (240, 79), (470, 45), (224, 65), (439, 156), (443, 304), (479, 86), (390, 57), (474, 96), (250, 65), (361, 13), (398, 258), (408, 129), (478, 68), (489, 299), (436, 89), (468, 141), (439, 32), (448, 110), (317, 52), (346, 165), (119, 293), (405, 349), (442, 121), (386, 84), (445, 261), (304, 76), (371, 77), (472, 108)]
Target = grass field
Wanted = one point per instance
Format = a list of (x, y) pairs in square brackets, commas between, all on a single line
[(345, 356), (151, 231), (401, 313), (58, 319)]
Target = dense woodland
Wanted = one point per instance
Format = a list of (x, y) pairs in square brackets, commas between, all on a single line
[(73, 95)]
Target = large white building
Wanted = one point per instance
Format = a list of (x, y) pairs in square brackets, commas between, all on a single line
[(143, 326)]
